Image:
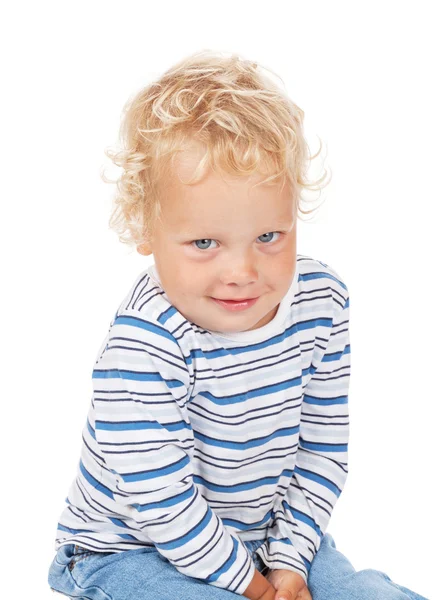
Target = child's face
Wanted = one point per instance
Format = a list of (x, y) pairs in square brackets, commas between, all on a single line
[(245, 247)]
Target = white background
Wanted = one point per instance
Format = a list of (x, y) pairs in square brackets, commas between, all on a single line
[(363, 74)]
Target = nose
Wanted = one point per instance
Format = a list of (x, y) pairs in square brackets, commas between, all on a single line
[(239, 270)]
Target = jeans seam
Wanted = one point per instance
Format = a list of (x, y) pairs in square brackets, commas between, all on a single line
[(81, 597), (109, 596)]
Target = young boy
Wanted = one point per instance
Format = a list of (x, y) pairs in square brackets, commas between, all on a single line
[(216, 441)]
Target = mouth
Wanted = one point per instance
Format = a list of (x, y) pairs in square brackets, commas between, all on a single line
[(234, 299), (232, 305)]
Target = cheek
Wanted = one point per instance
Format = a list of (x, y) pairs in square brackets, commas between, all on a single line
[(186, 279), (280, 271)]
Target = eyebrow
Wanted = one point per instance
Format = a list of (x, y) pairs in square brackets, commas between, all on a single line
[(282, 224)]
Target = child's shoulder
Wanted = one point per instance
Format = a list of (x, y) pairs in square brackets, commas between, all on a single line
[(147, 300), (145, 321), (145, 296), (313, 273)]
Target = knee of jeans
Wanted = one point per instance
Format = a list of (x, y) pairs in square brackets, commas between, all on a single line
[(370, 579), (366, 584), (370, 573)]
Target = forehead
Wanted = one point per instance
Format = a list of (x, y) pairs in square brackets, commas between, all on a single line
[(222, 198)]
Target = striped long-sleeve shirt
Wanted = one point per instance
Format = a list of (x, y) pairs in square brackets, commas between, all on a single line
[(196, 441)]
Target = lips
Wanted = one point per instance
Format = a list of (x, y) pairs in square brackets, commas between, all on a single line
[(235, 305), (234, 299)]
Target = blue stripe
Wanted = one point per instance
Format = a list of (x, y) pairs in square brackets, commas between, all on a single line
[(246, 526), (141, 425), (190, 535), (314, 323), (142, 324), (286, 432), (319, 479), (168, 502), (227, 564), (152, 474), (134, 376), (281, 540), (314, 276), (148, 326), (238, 487), (336, 355), (127, 536), (91, 431), (323, 447), (118, 522), (167, 314), (71, 530), (96, 484), (300, 516), (325, 401)]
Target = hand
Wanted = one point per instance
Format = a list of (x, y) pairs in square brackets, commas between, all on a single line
[(288, 585), (269, 594)]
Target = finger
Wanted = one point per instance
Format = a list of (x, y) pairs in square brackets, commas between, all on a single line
[(304, 594), (289, 591)]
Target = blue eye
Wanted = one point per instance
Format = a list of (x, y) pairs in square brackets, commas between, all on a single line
[(266, 234), (202, 241), (206, 242)]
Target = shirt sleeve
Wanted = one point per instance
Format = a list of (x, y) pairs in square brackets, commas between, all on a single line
[(301, 515), (141, 390)]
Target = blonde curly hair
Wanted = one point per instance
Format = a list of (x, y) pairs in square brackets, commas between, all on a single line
[(246, 123)]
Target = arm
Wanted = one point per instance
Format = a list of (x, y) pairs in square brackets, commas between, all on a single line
[(302, 514), (141, 390)]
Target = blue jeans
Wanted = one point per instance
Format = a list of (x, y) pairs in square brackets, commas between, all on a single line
[(144, 574)]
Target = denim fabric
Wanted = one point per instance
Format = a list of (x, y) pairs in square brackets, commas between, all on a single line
[(144, 574)]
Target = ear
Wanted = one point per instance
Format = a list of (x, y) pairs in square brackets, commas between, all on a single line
[(144, 249)]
